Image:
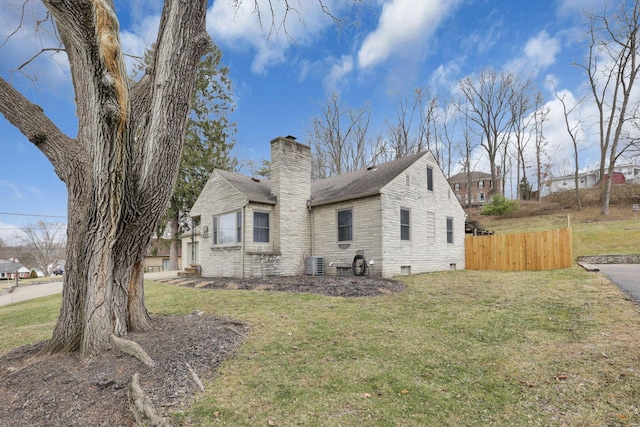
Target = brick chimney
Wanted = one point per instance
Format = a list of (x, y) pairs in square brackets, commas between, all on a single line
[(291, 185)]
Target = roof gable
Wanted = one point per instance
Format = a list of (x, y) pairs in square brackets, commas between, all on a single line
[(256, 190)]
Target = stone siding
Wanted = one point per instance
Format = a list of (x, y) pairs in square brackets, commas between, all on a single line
[(427, 249), (610, 259), (291, 184), (366, 233)]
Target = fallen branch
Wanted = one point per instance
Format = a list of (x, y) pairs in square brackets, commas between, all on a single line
[(195, 377), (140, 404), (132, 348)]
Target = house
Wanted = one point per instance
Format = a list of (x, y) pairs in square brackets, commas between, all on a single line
[(158, 255), (399, 217), (480, 190), (586, 179), (9, 269)]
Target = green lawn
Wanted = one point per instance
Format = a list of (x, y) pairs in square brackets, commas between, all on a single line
[(455, 348)]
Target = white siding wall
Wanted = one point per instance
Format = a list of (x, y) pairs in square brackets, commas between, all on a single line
[(366, 234), (426, 251)]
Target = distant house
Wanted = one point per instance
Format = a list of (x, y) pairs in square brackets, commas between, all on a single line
[(9, 269), (158, 256), (478, 193), (400, 216), (586, 179)]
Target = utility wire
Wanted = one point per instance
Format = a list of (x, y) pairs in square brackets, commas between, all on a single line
[(24, 214)]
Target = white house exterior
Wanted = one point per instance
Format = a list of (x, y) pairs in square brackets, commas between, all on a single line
[(402, 214), (587, 179)]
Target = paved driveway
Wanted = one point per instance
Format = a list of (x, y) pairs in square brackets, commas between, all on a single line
[(626, 276), (27, 292)]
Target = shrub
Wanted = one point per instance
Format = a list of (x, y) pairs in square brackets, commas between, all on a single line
[(499, 206), (33, 275)]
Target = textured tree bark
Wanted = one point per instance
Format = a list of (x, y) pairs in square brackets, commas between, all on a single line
[(121, 168)]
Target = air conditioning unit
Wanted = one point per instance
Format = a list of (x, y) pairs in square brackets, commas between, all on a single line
[(314, 266)]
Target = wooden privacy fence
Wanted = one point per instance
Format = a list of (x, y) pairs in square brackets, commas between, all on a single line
[(546, 250)]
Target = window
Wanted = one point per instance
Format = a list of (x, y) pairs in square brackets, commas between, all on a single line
[(430, 179), (408, 180), (345, 225), (449, 230), (481, 198), (480, 184), (456, 186), (405, 229), (261, 227), (227, 228)]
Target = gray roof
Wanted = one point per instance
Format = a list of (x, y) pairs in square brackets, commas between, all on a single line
[(348, 186), (358, 184), (256, 190), (8, 266)]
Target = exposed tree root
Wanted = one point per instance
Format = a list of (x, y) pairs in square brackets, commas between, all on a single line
[(132, 348), (140, 404)]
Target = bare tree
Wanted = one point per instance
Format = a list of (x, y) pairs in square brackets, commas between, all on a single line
[(573, 128), (338, 138), (121, 166), (42, 243), (488, 98), (539, 116), (612, 67), (521, 119), (468, 146)]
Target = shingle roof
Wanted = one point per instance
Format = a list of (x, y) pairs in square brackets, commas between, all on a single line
[(348, 186), (361, 183), (256, 190)]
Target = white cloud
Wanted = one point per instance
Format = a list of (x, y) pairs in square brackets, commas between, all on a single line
[(539, 53), (339, 70), (403, 29), (7, 233), (272, 31)]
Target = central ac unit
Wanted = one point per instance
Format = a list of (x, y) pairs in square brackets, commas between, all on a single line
[(314, 266)]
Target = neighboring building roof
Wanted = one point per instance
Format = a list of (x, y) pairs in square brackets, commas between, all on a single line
[(256, 190), (9, 266), (475, 176), (358, 184)]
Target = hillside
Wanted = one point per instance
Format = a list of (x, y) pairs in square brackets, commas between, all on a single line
[(617, 233)]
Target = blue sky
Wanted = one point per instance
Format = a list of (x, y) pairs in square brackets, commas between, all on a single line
[(381, 51)]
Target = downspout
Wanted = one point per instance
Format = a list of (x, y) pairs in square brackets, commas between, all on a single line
[(244, 237), (311, 228)]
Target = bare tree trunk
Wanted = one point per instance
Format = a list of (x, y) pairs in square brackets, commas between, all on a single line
[(118, 187), (175, 243)]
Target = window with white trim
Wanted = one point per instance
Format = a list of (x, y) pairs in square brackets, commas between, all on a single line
[(429, 179), (227, 228), (449, 230)]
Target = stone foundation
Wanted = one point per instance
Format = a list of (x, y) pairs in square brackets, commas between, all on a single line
[(610, 259)]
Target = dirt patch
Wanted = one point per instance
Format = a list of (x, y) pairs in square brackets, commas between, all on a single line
[(66, 390), (335, 286)]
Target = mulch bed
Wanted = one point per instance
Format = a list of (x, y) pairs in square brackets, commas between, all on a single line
[(66, 390)]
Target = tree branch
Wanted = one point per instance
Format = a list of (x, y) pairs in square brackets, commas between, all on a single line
[(31, 121)]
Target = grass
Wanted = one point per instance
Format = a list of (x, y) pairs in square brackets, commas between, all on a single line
[(455, 348), (592, 235)]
